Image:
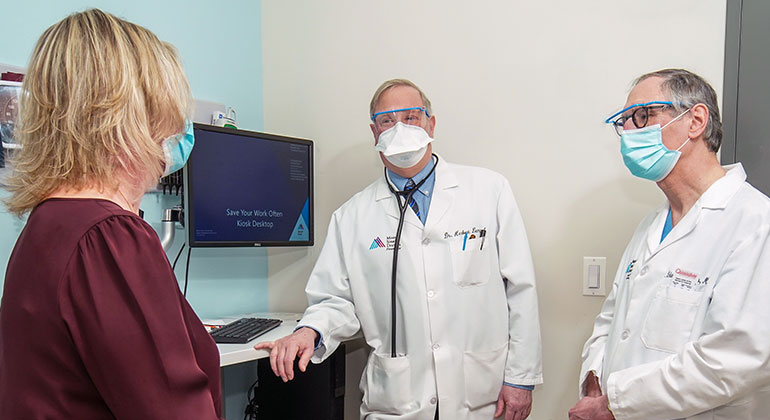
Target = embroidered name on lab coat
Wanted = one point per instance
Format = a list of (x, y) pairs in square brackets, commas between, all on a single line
[(686, 280)]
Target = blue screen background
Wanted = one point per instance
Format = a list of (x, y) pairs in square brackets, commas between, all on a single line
[(248, 189)]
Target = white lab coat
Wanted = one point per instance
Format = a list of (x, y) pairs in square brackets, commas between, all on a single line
[(462, 330), (685, 332)]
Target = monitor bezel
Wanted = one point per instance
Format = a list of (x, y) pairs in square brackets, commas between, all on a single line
[(189, 193)]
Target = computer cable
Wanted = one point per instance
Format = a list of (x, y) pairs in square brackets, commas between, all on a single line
[(252, 409), (186, 271), (178, 254)]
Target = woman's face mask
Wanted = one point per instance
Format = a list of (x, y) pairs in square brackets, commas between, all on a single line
[(177, 149)]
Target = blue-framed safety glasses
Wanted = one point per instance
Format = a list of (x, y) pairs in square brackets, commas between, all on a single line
[(640, 114), (412, 116)]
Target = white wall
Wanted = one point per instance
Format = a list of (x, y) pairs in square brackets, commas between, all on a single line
[(519, 87)]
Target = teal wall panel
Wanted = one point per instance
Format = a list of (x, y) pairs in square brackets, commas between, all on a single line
[(220, 45)]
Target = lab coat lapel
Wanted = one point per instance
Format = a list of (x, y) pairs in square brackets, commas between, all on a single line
[(685, 226), (443, 194), (682, 229), (715, 197), (387, 200), (655, 230)]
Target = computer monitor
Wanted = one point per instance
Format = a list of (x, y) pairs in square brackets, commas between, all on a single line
[(244, 188)]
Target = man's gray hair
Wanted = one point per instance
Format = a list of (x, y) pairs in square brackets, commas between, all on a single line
[(685, 90), (393, 83)]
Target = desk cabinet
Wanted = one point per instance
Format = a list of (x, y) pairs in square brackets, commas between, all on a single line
[(318, 393)]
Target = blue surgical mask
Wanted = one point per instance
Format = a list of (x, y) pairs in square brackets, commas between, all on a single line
[(644, 153), (177, 149)]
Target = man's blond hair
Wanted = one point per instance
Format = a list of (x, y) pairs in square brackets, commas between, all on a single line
[(393, 83)]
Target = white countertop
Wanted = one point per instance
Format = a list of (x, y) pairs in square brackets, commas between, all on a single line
[(230, 354)]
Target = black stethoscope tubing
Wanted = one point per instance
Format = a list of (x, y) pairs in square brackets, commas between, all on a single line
[(402, 212)]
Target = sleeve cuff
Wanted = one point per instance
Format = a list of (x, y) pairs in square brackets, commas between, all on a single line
[(526, 387)]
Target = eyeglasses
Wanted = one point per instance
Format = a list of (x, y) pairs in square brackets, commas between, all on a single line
[(640, 115), (410, 116)]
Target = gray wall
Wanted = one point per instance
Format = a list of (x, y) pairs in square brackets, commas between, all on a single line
[(747, 90)]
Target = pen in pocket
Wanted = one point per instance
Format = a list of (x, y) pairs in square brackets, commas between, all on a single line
[(483, 235)]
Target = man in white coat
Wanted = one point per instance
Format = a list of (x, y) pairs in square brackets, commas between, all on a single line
[(467, 329), (685, 332)]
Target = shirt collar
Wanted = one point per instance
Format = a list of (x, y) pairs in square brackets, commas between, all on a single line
[(722, 190), (400, 182)]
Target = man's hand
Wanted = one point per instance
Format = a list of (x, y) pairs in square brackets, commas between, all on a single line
[(591, 386), (591, 408), (515, 402), (283, 352)]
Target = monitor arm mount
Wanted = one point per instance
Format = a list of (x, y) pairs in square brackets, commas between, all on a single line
[(168, 225), (173, 184)]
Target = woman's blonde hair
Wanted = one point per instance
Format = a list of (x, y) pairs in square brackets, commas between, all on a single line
[(99, 96)]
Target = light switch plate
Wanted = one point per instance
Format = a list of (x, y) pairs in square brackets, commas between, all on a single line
[(594, 269)]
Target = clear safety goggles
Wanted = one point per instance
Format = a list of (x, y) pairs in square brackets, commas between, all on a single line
[(410, 116)]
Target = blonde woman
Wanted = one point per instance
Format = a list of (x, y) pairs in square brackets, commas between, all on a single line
[(92, 323)]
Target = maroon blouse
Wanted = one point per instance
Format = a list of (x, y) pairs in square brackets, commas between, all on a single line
[(93, 325)]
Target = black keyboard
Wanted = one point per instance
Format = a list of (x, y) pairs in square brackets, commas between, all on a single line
[(244, 330)]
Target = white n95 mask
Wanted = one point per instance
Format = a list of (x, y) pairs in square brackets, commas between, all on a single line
[(403, 145)]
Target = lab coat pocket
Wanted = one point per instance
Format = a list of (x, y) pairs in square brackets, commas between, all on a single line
[(670, 319), (470, 261), (388, 385), (484, 375), (743, 408)]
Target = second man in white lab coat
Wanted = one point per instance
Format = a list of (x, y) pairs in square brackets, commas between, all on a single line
[(685, 332), (468, 334)]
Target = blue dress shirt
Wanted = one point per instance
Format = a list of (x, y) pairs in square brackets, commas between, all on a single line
[(425, 192)]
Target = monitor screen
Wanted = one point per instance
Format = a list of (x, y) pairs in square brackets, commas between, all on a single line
[(244, 188)]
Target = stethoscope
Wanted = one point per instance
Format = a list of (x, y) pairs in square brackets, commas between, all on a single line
[(402, 212)]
